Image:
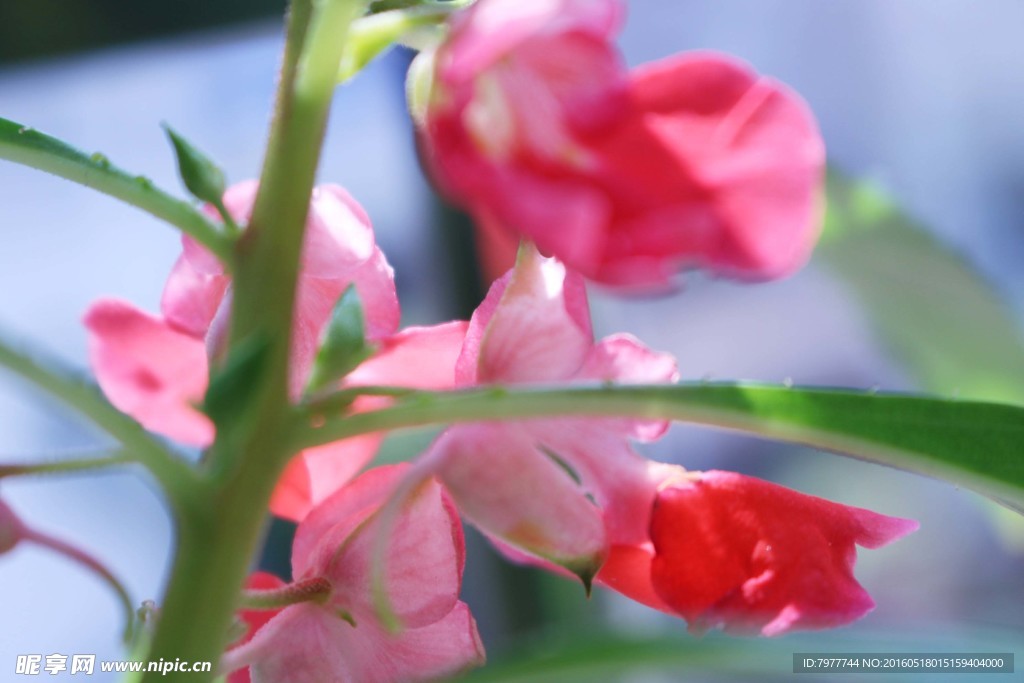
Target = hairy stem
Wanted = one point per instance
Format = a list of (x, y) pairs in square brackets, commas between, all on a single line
[(216, 543), (78, 463)]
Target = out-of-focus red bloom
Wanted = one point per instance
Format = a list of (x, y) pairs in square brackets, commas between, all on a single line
[(535, 126), (749, 556), (156, 369), (341, 639)]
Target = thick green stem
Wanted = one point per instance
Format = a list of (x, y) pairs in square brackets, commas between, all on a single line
[(217, 541), (26, 146)]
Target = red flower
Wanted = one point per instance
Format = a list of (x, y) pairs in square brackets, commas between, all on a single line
[(751, 557), (536, 127)]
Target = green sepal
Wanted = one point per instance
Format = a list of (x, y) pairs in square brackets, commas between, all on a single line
[(343, 342), (235, 385), (203, 178)]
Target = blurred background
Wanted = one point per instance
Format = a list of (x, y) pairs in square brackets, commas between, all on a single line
[(922, 97)]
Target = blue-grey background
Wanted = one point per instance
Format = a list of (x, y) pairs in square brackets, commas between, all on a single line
[(925, 96)]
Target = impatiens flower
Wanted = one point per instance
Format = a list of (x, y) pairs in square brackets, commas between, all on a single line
[(555, 489), (157, 368), (341, 638), (534, 124), (749, 556)]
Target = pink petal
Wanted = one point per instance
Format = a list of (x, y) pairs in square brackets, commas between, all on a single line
[(417, 357), (148, 370), (339, 236), (424, 552), (491, 30), (375, 282), (316, 473), (508, 488), (754, 147), (622, 358), (306, 643), (754, 557), (191, 298), (538, 331)]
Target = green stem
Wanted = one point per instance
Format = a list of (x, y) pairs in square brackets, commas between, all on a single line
[(374, 34), (92, 564), (175, 475), (971, 443), (216, 542), (24, 145), (68, 465)]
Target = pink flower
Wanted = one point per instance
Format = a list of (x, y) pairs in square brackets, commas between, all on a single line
[(535, 125), (342, 639), (533, 485), (157, 368), (752, 557)]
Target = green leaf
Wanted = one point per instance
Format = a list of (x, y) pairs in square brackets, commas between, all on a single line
[(940, 318), (343, 345), (24, 145), (203, 178), (974, 444), (235, 386)]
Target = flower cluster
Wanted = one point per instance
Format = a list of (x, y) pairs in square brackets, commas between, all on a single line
[(534, 123)]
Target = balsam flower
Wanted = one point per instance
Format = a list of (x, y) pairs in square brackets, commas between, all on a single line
[(757, 558), (551, 488), (534, 124), (341, 638), (156, 368)]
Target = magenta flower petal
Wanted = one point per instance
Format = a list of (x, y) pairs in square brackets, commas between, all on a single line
[(150, 371)]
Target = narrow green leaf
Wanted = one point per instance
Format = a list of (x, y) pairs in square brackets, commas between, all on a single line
[(24, 145), (203, 178), (343, 343), (977, 445), (941, 319)]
